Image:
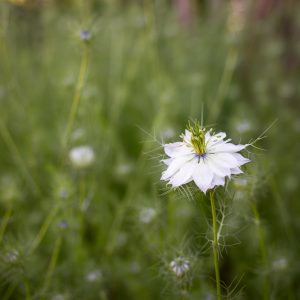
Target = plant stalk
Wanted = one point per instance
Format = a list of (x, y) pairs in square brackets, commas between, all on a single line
[(77, 94), (52, 264), (215, 244), (263, 251)]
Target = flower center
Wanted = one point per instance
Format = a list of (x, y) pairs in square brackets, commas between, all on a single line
[(198, 137)]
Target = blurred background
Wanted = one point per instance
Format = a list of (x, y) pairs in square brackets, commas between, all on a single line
[(89, 92)]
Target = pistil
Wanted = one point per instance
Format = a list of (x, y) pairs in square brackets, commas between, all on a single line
[(198, 138)]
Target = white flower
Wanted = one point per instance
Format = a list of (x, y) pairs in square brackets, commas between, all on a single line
[(82, 156), (85, 35), (93, 276), (58, 297), (280, 264), (243, 126), (12, 256), (135, 267), (203, 157), (147, 214), (180, 265), (167, 133), (124, 169)]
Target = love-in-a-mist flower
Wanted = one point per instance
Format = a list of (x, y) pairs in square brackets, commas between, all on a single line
[(82, 156), (180, 265), (85, 35), (203, 157)]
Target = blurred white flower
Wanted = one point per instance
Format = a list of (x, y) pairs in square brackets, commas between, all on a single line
[(122, 239), (180, 265), (243, 126), (85, 35), (203, 157), (135, 267), (82, 156), (93, 276), (240, 195), (123, 169), (12, 256), (63, 224), (208, 296), (63, 193), (167, 133), (240, 182), (58, 297), (147, 214), (280, 264)]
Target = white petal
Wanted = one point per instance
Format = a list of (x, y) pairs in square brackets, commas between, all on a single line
[(214, 139), (240, 158), (220, 135), (167, 161), (236, 171), (217, 168), (187, 136), (217, 180), (202, 176), (176, 149), (175, 165), (225, 147), (224, 160), (207, 135), (184, 175)]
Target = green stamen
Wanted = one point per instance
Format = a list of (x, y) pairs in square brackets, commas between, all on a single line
[(198, 137)]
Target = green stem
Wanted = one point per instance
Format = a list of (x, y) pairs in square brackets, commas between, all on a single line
[(52, 264), (77, 94), (8, 140), (5, 221), (263, 250), (215, 243), (225, 82), (44, 228), (27, 288), (10, 291), (282, 209), (80, 249)]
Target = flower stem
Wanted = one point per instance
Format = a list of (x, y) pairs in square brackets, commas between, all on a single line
[(263, 250), (12, 146), (5, 222), (27, 288), (9, 291), (52, 264), (77, 94), (44, 228), (225, 82), (215, 243)]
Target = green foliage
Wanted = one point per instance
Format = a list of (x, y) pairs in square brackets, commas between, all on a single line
[(111, 230)]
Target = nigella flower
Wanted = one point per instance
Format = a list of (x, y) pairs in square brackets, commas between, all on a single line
[(12, 256), (180, 265), (85, 35), (203, 157), (82, 156), (147, 214), (280, 264), (94, 276)]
